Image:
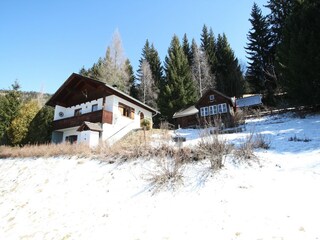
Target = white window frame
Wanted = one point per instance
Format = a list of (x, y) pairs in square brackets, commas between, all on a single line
[(215, 109), (211, 98), (211, 110), (204, 111), (222, 108)]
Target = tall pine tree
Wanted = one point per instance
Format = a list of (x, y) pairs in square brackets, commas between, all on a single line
[(186, 48), (10, 105), (179, 90), (279, 11), (229, 76), (299, 53), (208, 46), (258, 50)]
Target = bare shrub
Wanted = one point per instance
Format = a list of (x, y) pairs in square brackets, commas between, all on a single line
[(239, 117), (260, 141), (168, 174), (214, 149), (245, 150)]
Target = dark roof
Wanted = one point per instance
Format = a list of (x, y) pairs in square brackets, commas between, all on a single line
[(90, 126), (192, 110), (78, 89)]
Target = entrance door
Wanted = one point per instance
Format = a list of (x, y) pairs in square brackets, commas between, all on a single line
[(141, 118)]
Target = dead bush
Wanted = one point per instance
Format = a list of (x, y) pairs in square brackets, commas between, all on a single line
[(168, 174), (239, 117), (245, 150), (261, 141), (214, 149)]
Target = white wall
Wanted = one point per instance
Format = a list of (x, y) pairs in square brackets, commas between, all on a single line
[(89, 137), (69, 132), (69, 112), (120, 126)]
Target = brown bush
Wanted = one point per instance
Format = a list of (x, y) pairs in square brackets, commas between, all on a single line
[(214, 149)]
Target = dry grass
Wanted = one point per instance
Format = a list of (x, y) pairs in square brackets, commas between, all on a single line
[(46, 150)]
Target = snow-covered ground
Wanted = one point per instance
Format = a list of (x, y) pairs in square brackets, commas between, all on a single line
[(277, 198)]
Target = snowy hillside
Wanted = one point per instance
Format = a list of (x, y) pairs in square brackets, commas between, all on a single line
[(276, 197)]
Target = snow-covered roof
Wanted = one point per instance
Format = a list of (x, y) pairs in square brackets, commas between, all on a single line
[(186, 112), (249, 101)]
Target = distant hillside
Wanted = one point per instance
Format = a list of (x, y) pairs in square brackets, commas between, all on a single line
[(29, 95)]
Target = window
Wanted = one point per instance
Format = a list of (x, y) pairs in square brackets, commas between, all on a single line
[(78, 112), (210, 110), (215, 109), (94, 107), (204, 111), (222, 108), (126, 111), (211, 98)]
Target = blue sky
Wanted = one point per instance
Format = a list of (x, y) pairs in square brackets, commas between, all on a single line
[(43, 42)]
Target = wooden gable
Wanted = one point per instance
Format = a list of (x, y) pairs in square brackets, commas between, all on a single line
[(218, 98), (79, 89)]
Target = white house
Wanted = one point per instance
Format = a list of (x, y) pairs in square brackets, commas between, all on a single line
[(90, 111)]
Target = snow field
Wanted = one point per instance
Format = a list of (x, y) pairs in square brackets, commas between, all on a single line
[(275, 198)]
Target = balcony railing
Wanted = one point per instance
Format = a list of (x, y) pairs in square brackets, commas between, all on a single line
[(101, 116)]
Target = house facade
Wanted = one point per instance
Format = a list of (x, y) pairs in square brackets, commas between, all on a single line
[(211, 108), (90, 111)]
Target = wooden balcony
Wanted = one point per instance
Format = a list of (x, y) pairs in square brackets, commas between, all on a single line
[(101, 116)]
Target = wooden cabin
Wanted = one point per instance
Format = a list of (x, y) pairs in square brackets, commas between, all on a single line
[(211, 109)]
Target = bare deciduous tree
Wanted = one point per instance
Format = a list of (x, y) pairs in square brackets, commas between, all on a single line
[(201, 71), (147, 88), (113, 69)]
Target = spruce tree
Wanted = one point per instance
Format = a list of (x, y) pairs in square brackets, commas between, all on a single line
[(208, 46), (10, 105), (40, 128), (299, 53), (186, 49), (133, 91), (258, 50), (179, 90), (279, 11), (229, 76)]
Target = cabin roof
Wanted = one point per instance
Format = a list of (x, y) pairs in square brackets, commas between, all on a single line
[(78, 89), (186, 112)]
